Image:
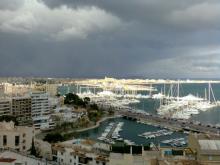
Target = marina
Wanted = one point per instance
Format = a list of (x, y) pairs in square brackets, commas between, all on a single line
[(150, 135), (111, 133), (175, 142), (174, 106), (194, 120), (129, 133)]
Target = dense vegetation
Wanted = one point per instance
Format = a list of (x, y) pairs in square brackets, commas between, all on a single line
[(93, 111), (54, 137), (8, 118), (33, 150), (58, 137), (73, 99)]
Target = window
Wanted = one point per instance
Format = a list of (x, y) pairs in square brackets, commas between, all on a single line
[(17, 140), (18, 163), (4, 140)]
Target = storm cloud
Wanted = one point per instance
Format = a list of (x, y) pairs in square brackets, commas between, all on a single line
[(96, 38)]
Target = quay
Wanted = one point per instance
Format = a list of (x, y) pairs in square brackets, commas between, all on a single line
[(170, 123), (109, 135)]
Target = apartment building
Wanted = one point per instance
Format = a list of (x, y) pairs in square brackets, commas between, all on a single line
[(15, 137), (41, 111), (5, 107), (21, 109), (2, 89), (16, 89), (51, 89)]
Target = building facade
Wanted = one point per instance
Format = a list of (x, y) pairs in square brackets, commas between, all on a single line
[(51, 89), (21, 109), (9, 157), (80, 152), (5, 107), (206, 147), (15, 137), (41, 111)]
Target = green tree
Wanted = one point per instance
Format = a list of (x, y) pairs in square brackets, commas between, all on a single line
[(33, 149), (54, 137), (74, 99), (9, 118), (87, 100), (94, 106)]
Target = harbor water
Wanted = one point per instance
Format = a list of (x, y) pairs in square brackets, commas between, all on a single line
[(131, 129)]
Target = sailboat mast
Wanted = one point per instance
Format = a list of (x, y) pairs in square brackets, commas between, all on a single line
[(150, 90), (178, 91), (209, 92), (205, 94), (164, 89), (213, 96)]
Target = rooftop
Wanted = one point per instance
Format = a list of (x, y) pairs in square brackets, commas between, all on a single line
[(7, 160), (7, 125), (209, 144)]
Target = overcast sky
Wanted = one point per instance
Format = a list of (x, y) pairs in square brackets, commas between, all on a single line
[(119, 38)]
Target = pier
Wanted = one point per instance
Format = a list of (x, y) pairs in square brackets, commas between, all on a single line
[(172, 124), (109, 135)]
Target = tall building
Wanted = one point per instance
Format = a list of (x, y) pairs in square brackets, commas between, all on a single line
[(5, 107), (2, 89), (41, 111), (51, 89), (15, 137), (21, 109)]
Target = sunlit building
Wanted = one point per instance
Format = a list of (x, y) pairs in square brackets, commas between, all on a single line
[(41, 111), (15, 137)]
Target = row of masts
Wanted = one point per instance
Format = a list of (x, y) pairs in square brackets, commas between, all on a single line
[(210, 97)]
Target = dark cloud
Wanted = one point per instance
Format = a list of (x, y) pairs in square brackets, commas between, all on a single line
[(90, 38)]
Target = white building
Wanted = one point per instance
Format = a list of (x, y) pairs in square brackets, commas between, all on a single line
[(51, 89), (15, 137), (15, 89), (5, 107), (80, 152), (65, 114), (41, 111), (129, 155), (9, 157)]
